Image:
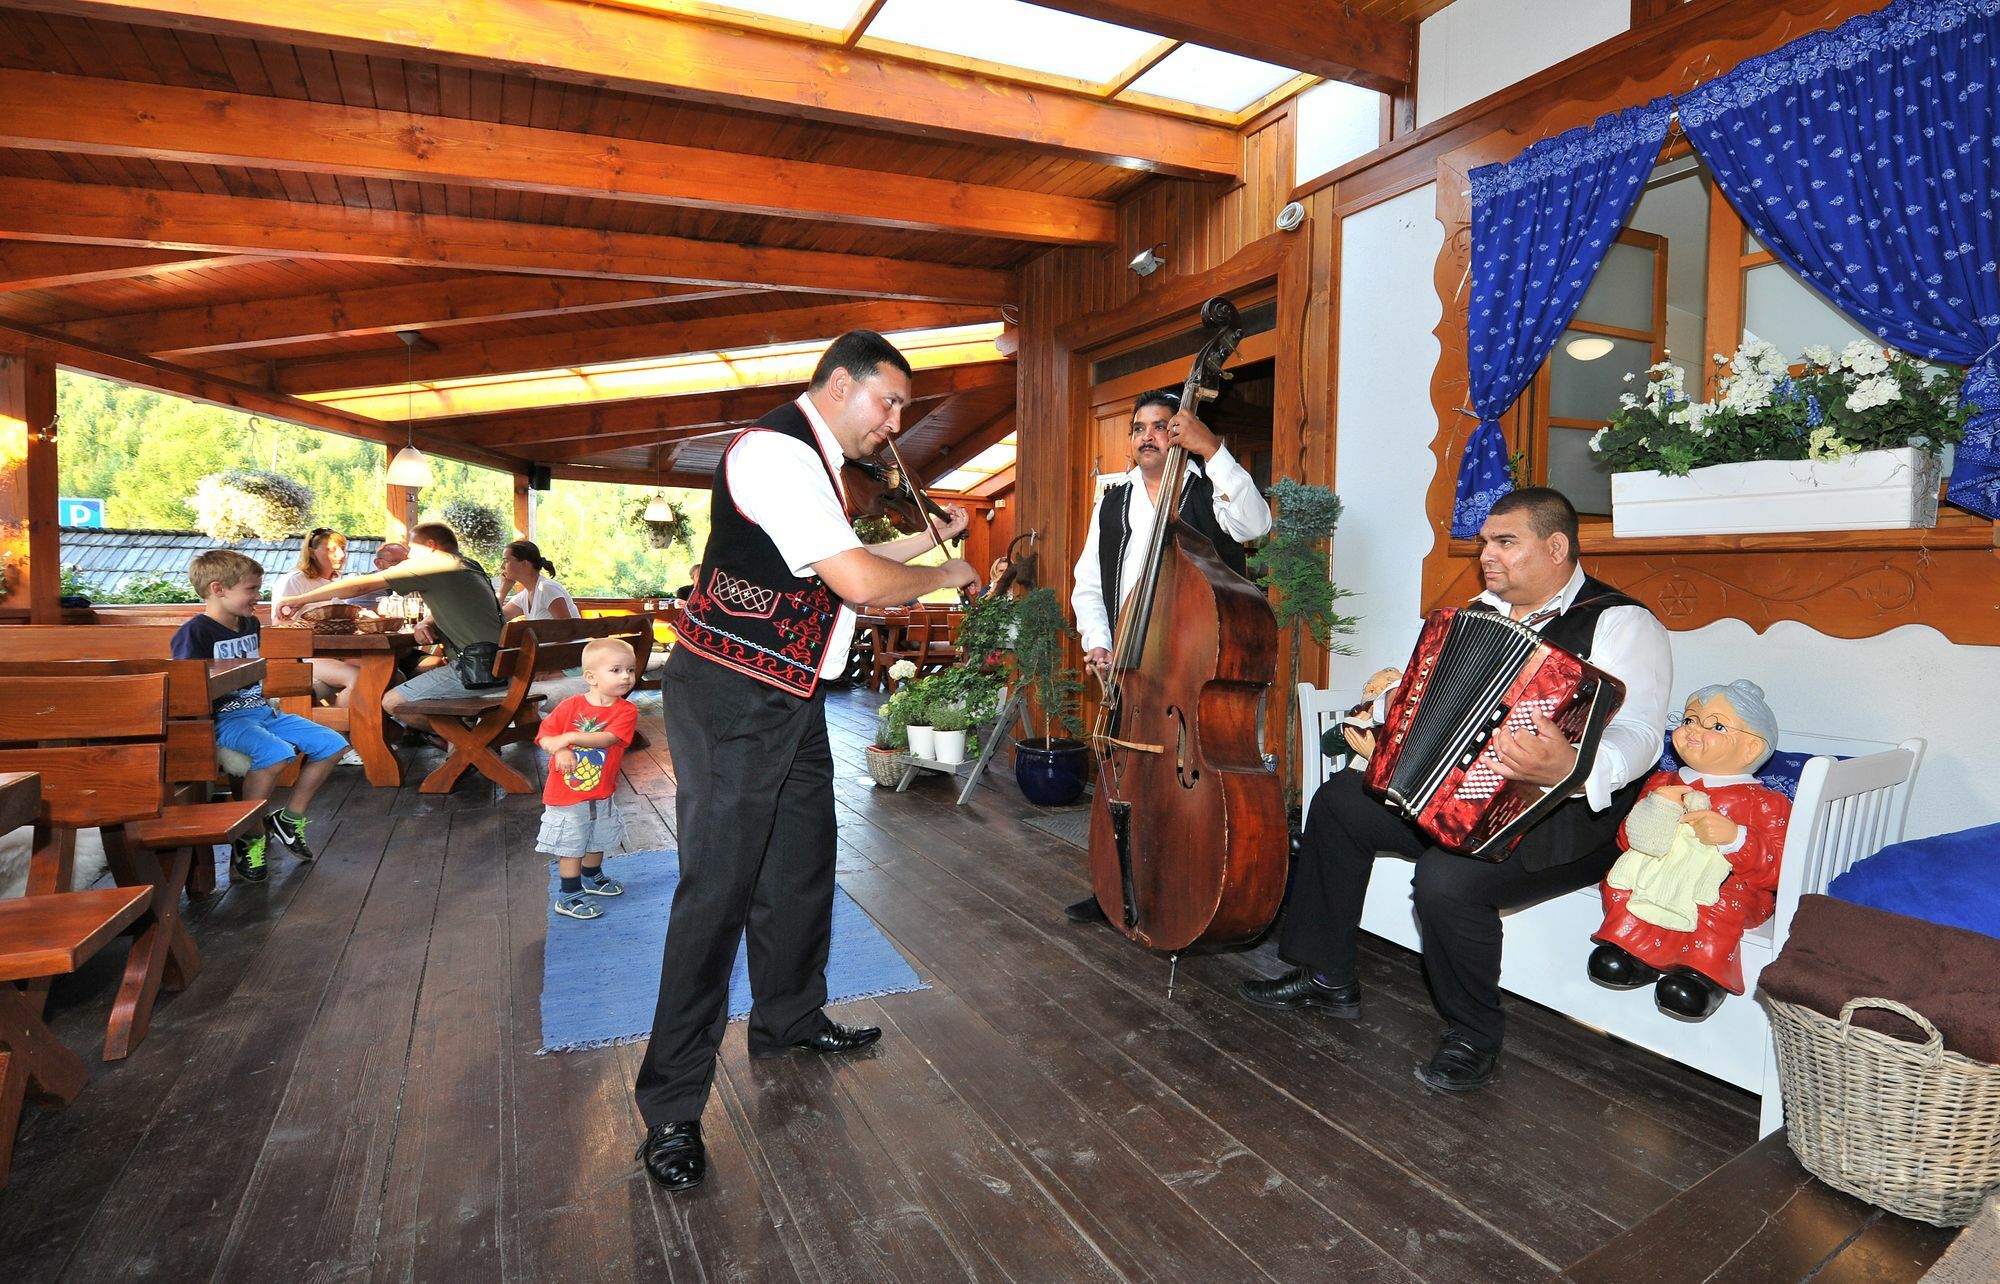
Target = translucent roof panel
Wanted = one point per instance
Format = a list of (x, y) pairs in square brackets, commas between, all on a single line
[(1337, 122), (1211, 78), (1015, 35), (959, 480), (820, 13)]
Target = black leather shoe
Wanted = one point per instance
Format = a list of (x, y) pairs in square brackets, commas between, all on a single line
[(1612, 966), (1687, 995), (1298, 989), (674, 1157), (1086, 910), (835, 1040), (1457, 1066)]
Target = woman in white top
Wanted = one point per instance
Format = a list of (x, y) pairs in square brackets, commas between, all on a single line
[(321, 557), (540, 597)]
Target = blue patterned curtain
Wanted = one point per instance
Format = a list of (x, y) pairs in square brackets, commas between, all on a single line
[(1541, 226), (1868, 159)]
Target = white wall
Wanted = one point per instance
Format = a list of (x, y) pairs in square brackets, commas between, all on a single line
[(1384, 424), (1479, 47)]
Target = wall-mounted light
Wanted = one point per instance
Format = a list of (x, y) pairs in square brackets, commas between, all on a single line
[(1148, 261), (1588, 349)]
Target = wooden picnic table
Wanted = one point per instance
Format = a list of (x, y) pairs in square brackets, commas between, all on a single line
[(375, 655)]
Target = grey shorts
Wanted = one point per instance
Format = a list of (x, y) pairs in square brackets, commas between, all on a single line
[(581, 828), (442, 683)]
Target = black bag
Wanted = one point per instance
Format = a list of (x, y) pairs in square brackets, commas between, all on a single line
[(474, 666)]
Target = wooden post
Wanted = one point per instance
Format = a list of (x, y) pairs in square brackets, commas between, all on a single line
[(524, 508), (30, 536), (399, 504)]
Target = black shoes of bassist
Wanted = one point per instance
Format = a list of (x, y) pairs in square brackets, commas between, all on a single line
[(674, 1156), (835, 1040), (1086, 910), (1299, 988), (1457, 1066)]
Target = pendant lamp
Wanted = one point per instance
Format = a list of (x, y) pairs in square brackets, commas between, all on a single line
[(409, 468)]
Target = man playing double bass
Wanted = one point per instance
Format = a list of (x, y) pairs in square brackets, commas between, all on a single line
[(1528, 559), (1220, 499)]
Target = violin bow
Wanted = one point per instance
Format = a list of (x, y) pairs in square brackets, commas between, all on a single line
[(924, 507)]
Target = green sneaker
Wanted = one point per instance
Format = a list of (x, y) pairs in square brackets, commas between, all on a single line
[(290, 833), (246, 860)]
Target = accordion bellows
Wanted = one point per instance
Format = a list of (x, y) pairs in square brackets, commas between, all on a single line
[(1474, 672)]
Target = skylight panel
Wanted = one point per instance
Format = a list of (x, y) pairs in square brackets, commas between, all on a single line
[(992, 459), (1211, 78), (958, 480), (1014, 34)]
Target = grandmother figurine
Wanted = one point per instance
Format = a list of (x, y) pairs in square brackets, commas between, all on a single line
[(1702, 846)]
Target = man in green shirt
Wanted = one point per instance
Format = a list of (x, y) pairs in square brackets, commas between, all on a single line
[(462, 607)]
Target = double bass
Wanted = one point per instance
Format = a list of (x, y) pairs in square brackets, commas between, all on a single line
[(1188, 844)]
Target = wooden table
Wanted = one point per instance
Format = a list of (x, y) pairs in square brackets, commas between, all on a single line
[(375, 656)]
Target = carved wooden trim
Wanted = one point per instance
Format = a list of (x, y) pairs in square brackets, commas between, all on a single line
[(1846, 584)]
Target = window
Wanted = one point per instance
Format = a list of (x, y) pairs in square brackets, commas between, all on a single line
[(1336, 123)]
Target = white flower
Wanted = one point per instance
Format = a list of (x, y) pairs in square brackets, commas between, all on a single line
[(1826, 445), (902, 670), (1863, 358), (1597, 439), (1877, 390), (1628, 376), (1819, 354)]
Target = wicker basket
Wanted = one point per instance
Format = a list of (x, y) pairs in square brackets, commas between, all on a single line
[(1906, 1126), (886, 766), (331, 617)]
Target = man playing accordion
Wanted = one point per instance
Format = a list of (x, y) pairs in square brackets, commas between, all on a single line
[(1528, 558)]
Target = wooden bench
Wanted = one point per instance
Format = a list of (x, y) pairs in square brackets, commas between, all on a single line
[(100, 745), (1851, 801), (478, 725), (43, 937)]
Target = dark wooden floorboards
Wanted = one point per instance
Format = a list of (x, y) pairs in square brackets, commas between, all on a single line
[(350, 1091)]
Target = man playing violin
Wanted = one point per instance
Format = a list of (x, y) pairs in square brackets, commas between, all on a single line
[(1220, 499), (769, 617)]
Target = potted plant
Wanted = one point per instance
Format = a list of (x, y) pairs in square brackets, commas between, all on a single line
[(912, 707), (885, 757), (667, 524), (1051, 768), (1294, 564), (1847, 442), (249, 503), (949, 723)]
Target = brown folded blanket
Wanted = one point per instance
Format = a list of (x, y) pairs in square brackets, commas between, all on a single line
[(1838, 951)]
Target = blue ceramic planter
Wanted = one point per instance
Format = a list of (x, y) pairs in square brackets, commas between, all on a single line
[(1051, 773)]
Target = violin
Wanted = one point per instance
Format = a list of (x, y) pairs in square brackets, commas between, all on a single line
[(876, 489), (1188, 843)]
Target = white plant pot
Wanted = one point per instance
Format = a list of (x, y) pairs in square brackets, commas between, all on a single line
[(950, 747), (1873, 490), (923, 741)]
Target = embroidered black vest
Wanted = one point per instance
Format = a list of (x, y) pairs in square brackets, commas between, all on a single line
[(1114, 531), (747, 611)]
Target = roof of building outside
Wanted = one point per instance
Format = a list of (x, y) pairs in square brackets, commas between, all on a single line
[(107, 558)]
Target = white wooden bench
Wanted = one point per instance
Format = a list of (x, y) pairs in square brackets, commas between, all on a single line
[(1845, 809)]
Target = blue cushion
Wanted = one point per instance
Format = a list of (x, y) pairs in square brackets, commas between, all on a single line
[(1779, 773), (1946, 878)]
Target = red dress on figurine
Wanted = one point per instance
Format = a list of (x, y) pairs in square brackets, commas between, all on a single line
[(1748, 895)]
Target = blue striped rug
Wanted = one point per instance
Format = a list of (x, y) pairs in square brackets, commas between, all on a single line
[(601, 977)]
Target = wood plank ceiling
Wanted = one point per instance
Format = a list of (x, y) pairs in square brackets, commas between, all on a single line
[(246, 200)]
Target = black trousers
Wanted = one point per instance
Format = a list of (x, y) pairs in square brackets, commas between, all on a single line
[(1458, 899), (755, 815)]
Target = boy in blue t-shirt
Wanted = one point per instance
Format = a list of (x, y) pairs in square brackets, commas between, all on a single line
[(227, 629)]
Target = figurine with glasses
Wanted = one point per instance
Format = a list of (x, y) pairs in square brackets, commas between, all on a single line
[(1700, 867)]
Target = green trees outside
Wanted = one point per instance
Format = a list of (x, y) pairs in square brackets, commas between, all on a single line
[(144, 453)]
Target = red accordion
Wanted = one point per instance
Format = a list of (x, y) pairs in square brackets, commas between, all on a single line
[(1473, 672)]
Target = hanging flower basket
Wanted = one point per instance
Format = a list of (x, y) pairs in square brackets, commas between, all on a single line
[(249, 503), (481, 530)]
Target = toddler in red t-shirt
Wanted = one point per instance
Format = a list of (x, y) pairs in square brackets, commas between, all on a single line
[(585, 737)]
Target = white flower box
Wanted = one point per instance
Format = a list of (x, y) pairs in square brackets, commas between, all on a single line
[(1872, 490)]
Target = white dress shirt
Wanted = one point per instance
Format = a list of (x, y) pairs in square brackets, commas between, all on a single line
[(1631, 645), (536, 605), (1239, 509), (777, 484)]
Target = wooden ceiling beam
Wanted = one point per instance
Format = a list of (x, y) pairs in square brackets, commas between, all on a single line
[(196, 385), (1325, 37), (627, 343), (146, 218), (630, 476), (674, 418), (28, 265), (656, 54), (43, 112), (180, 333)]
